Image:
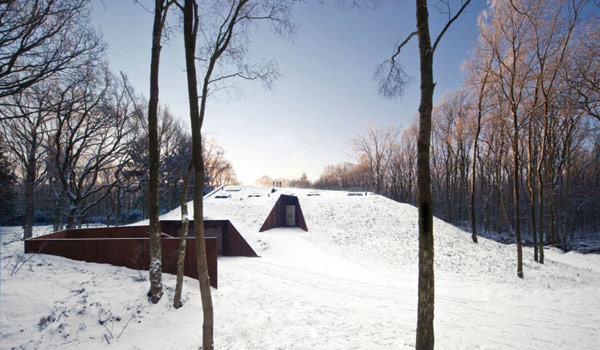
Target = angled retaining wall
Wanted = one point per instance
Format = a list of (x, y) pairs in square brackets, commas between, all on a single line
[(229, 240), (126, 246)]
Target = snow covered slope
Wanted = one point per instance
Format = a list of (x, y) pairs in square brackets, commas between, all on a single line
[(348, 283), (380, 233)]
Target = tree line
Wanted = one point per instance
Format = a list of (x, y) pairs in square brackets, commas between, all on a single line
[(516, 148), (73, 143)]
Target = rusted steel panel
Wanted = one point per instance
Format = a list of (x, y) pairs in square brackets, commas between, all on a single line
[(211, 260), (300, 218), (127, 252), (276, 217), (238, 246), (76, 249), (109, 232), (171, 227), (232, 243), (169, 249)]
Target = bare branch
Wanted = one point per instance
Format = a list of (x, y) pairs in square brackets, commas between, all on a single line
[(42, 38), (462, 8)]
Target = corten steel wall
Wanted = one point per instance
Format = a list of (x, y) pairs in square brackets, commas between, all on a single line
[(277, 216), (233, 243), (100, 232), (123, 246)]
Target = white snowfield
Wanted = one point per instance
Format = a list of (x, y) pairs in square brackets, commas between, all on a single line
[(350, 282)]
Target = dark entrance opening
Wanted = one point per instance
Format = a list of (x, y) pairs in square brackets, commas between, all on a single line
[(285, 213)]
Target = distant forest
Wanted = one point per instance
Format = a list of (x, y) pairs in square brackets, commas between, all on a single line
[(528, 110), (89, 164)]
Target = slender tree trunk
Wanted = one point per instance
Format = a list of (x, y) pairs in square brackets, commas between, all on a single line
[(475, 154), (554, 215), (540, 180), (72, 215), (551, 176), (473, 171), (531, 188), (565, 187), (504, 209), (448, 211), (425, 331), (541, 215), (56, 214), (516, 194), (71, 219), (154, 156), (183, 239), (29, 195), (190, 26)]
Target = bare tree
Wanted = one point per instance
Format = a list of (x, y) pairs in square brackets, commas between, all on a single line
[(391, 84), (7, 181), (508, 35), (161, 8), (553, 36), (373, 148), (88, 138), (264, 181), (190, 33), (480, 77), (185, 221), (450, 149), (301, 182), (25, 130), (222, 54), (42, 38), (219, 171), (584, 69)]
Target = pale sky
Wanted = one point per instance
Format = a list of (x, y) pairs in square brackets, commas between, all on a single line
[(326, 94)]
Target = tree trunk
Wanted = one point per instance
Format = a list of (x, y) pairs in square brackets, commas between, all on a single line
[(29, 195), (556, 238), (154, 156), (425, 335), (475, 153), (72, 216), (190, 26), (183, 240), (540, 180), (567, 179), (507, 225), (71, 219), (516, 194), (56, 213), (531, 188), (473, 167)]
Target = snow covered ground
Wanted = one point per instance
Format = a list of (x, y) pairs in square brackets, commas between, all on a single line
[(348, 283)]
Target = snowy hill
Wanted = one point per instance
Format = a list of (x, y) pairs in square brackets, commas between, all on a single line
[(376, 232), (348, 283)]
